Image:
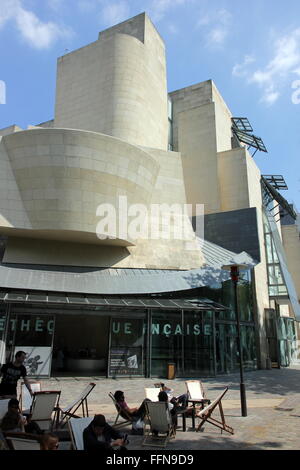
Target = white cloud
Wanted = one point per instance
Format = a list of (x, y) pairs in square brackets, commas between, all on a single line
[(276, 73), (270, 96), (158, 9), (7, 9), (216, 26), (217, 36), (35, 32), (241, 70), (113, 13)]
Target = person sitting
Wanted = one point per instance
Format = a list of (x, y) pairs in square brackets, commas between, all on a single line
[(136, 412), (180, 402), (101, 436), (163, 396), (49, 441), (13, 420), (164, 388)]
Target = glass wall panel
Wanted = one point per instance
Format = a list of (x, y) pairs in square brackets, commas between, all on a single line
[(248, 347), (198, 344), (32, 334), (127, 346), (3, 324), (287, 341), (227, 351), (226, 348), (167, 332), (225, 296)]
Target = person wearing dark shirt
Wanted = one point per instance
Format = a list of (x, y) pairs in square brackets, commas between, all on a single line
[(100, 436), (13, 421), (11, 373)]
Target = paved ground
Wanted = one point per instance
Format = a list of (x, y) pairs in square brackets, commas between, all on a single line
[(273, 400)]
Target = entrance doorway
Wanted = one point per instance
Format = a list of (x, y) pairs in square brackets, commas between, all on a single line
[(80, 345)]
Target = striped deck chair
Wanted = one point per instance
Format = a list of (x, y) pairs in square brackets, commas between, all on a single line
[(205, 415), (159, 429)]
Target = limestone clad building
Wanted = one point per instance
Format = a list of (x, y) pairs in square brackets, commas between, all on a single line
[(114, 301)]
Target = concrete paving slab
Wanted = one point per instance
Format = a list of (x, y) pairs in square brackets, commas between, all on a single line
[(273, 404)]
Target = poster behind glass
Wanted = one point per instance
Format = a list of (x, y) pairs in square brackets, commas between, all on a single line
[(38, 360), (33, 334), (126, 354)]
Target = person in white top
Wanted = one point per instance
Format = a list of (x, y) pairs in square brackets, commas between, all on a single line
[(163, 396)]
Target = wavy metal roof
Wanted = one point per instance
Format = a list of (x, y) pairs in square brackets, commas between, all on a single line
[(114, 281)]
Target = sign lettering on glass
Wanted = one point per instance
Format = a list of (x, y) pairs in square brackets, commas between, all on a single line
[(166, 329), (36, 325)]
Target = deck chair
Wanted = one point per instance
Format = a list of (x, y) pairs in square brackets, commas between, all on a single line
[(120, 413), (159, 429), (44, 409), (152, 393), (22, 441), (25, 397), (205, 415), (76, 428), (70, 410), (196, 393), (3, 407)]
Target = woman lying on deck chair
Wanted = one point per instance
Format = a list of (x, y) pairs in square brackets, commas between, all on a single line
[(137, 412)]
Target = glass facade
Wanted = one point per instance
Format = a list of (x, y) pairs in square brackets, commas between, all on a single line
[(287, 341), (227, 359), (136, 342), (31, 333), (276, 280), (185, 339), (199, 343), (3, 329), (166, 341), (127, 346)]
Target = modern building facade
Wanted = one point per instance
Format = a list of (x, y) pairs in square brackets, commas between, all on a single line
[(114, 295)]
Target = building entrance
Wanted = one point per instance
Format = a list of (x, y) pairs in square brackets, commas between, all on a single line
[(80, 344)]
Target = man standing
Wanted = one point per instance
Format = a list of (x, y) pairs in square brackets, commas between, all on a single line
[(11, 373)]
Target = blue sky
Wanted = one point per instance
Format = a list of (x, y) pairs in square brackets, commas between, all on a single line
[(250, 49)]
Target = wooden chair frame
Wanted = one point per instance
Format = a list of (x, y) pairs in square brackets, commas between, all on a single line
[(193, 399), (205, 415), (64, 414), (41, 420), (196, 400)]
